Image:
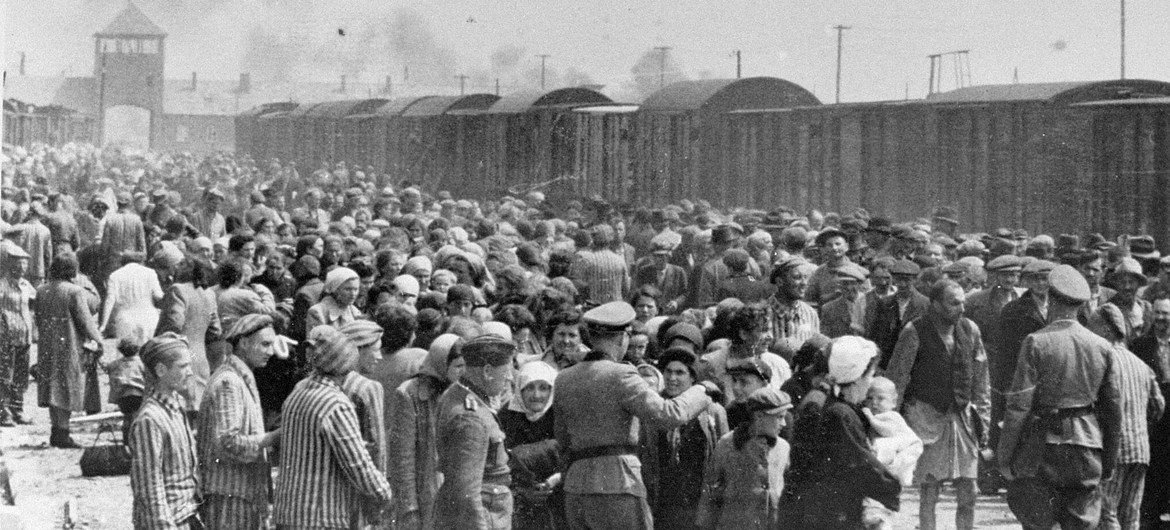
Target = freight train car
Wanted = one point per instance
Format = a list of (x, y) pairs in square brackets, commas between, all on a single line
[(26, 124), (604, 165), (683, 137), (249, 137), (428, 140)]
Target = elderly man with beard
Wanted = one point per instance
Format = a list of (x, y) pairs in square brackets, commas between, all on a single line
[(940, 370), (231, 440)]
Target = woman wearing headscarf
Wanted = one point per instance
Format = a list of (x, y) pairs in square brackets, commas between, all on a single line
[(367, 395), (419, 267), (326, 473), (16, 331), (527, 423), (336, 306), (69, 344), (675, 457), (833, 467), (131, 294), (189, 309), (413, 441)]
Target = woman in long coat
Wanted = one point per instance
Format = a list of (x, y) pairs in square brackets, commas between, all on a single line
[(189, 309), (69, 343)]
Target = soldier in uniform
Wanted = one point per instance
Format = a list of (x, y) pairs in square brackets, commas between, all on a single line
[(472, 457), (1062, 420), (598, 407)]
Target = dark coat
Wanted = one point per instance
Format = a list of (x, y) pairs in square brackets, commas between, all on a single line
[(1017, 320), (887, 323)]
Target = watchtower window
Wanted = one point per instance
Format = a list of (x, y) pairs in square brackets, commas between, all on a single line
[(129, 46)]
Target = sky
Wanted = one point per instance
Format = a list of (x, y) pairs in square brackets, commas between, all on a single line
[(611, 42)]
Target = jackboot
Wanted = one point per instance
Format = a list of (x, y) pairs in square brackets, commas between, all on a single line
[(61, 439)]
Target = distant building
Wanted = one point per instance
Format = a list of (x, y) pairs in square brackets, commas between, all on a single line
[(129, 99)]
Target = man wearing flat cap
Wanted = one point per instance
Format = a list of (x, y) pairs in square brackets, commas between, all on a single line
[(598, 406), (844, 315), (1062, 423), (472, 457), (791, 320), (723, 238), (37, 240), (669, 278), (231, 441), (834, 247), (739, 283), (1018, 319), (893, 313)]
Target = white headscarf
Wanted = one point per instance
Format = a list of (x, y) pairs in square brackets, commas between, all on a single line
[(529, 373)]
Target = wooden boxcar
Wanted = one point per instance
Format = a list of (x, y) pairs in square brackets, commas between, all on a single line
[(325, 123), (26, 124), (427, 141), (531, 137), (274, 136), (683, 136), (249, 136), (604, 163)]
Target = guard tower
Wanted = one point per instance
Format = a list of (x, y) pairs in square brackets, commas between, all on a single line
[(128, 69)]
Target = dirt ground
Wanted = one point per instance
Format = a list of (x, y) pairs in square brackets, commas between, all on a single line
[(45, 479)]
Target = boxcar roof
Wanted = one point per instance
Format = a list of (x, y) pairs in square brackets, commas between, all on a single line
[(440, 105), (275, 115), (1132, 102), (723, 95), (397, 106), (340, 109), (267, 108), (529, 100), (1065, 93), (616, 108)]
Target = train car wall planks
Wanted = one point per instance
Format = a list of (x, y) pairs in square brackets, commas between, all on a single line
[(1072, 157)]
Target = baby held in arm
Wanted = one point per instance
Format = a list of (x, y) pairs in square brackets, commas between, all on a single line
[(894, 442)]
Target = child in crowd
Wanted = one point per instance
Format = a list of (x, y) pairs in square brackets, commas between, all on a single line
[(127, 383), (893, 441)]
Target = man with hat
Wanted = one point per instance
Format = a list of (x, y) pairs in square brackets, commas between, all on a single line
[(1127, 278), (367, 395), (669, 278), (1159, 286), (822, 286), (845, 315), (163, 463), (120, 232), (740, 284), (90, 219), (1143, 249), (1091, 265), (939, 368), (893, 313), (260, 210), (602, 269), (37, 240), (732, 494), (877, 238), (1062, 424), (162, 210), (208, 220), (1017, 320), (666, 223), (945, 220), (595, 408), (747, 376), (723, 238), (312, 208), (62, 225), (472, 457), (790, 319), (231, 441)]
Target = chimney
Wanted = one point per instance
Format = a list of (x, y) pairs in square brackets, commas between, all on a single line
[(245, 83), (194, 81), (389, 86), (342, 89), (21, 63)]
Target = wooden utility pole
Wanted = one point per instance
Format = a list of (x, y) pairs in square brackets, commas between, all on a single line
[(543, 58), (1123, 39), (662, 65), (840, 31), (462, 82), (738, 64)]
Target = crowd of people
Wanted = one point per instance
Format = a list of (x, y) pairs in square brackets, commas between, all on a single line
[(339, 349)]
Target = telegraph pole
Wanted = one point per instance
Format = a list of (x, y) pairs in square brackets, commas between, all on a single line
[(662, 65), (840, 30), (1123, 39), (543, 57), (462, 80), (738, 64)]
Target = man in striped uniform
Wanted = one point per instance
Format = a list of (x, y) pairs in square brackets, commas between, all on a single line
[(231, 439), (367, 396), (162, 449), (602, 269), (791, 320), (326, 473), (1142, 404)]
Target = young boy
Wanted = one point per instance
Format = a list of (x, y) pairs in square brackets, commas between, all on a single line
[(747, 376), (127, 383), (893, 441), (732, 494)]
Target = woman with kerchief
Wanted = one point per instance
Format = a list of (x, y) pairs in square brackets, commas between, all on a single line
[(336, 306), (414, 459), (527, 423), (419, 267)]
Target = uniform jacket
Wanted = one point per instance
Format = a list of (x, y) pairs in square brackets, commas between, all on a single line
[(231, 427), (1063, 367), (601, 403), (474, 463)]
